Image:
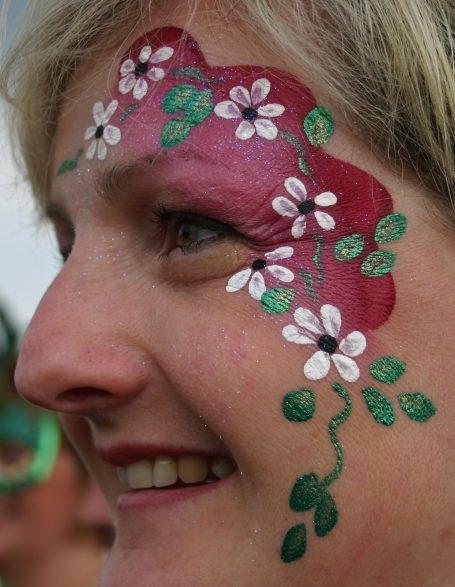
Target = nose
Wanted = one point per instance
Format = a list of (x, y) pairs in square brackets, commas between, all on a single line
[(80, 353)]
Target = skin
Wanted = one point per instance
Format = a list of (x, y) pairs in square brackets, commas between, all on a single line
[(41, 542), (144, 349)]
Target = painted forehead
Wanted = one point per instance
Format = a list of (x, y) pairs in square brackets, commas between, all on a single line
[(261, 134)]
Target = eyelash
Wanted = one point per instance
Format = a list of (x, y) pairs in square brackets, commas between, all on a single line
[(165, 217)]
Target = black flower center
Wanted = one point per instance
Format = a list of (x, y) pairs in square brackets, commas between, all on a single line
[(141, 68), (327, 343), (306, 207), (249, 113), (99, 131), (259, 264)]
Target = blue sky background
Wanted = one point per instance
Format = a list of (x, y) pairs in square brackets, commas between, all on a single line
[(28, 255)]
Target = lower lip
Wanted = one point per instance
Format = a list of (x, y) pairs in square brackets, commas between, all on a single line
[(155, 498)]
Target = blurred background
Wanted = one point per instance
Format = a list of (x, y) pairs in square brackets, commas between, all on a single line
[(28, 254)]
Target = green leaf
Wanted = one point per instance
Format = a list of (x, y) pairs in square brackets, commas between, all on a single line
[(305, 493), (417, 406), (378, 263), (294, 544), (199, 107), (178, 98), (380, 407), (326, 515), (390, 228), (70, 164), (349, 248), (299, 405), (387, 369), (174, 132), (318, 126), (192, 73), (277, 300), (308, 283)]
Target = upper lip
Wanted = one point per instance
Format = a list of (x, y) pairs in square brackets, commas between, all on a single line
[(122, 455)]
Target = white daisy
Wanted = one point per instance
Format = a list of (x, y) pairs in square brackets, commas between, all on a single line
[(103, 132), (325, 336), (256, 286), (249, 112), (305, 206), (134, 74)]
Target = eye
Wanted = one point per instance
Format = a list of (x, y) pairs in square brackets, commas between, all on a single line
[(193, 234), (189, 233)]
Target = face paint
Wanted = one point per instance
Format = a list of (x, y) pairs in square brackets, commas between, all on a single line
[(318, 222), (29, 444)]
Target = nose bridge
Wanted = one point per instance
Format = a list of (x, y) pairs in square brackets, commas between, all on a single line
[(80, 347)]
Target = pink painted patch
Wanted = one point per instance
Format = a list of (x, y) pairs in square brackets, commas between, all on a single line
[(235, 179)]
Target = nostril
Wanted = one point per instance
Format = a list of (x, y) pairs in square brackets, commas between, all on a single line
[(84, 396)]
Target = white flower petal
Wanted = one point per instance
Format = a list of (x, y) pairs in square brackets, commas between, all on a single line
[(127, 67), (140, 88), (91, 150), (271, 110), (227, 109), (298, 228), (280, 253), (260, 90), (126, 84), (241, 95), (109, 111), (162, 54), (112, 135), (297, 335), (346, 367), (90, 133), (266, 129), (324, 220), (257, 286), (102, 150), (244, 131), (281, 273), (238, 280), (295, 188), (307, 320), (354, 344), (145, 53), (331, 319), (155, 74), (326, 199), (317, 366), (284, 207), (98, 113)]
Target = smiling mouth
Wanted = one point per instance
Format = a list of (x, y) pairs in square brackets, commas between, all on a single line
[(165, 472)]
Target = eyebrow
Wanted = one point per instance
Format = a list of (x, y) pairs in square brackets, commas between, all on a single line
[(110, 183)]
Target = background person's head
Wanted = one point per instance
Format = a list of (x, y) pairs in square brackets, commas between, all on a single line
[(247, 197), (54, 526)]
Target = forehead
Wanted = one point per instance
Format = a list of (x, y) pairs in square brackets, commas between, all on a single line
[(161, 95)]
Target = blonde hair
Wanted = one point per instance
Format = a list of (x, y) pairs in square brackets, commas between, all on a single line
[(390, 66)]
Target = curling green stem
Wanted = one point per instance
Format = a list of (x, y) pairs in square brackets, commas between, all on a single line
[(336, 421), (294, 141), (317, 257)]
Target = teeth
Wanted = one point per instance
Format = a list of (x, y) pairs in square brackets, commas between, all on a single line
[(192, 469), (140, 475), (221, 468), (165, 471)]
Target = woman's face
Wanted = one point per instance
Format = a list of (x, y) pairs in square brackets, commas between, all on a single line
[(197, 215)]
